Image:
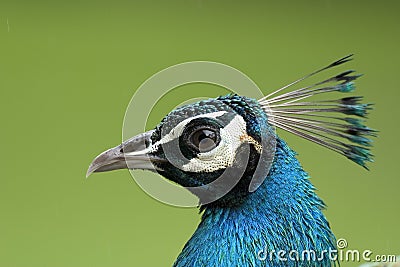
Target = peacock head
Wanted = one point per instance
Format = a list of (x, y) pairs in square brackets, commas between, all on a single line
[(211, 147), (223, 148)]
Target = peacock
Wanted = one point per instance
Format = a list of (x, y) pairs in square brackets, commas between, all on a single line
[(254, 197)]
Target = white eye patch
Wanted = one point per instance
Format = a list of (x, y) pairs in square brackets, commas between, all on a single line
[(178, 129), (175, 132), (232, 136), (223, 155)]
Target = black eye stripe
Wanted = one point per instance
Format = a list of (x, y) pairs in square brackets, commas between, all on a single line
[(204, 139), (201, 135), (182, 144)]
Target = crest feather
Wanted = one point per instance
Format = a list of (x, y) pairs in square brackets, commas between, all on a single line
[(331, 123)]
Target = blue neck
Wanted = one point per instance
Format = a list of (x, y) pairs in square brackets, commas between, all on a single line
[(284, 213)]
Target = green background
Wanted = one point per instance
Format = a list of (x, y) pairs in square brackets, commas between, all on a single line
[(68, 70)]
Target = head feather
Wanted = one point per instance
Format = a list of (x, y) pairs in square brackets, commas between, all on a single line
[(331, 123)]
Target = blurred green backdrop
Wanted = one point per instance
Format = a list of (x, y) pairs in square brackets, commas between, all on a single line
[(69, 68)]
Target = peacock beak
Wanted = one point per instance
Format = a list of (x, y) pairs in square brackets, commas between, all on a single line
[(131, 154)]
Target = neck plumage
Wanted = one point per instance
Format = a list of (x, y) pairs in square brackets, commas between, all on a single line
[(284, 213)]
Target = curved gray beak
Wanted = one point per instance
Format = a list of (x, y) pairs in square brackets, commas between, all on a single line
[(131, 154)]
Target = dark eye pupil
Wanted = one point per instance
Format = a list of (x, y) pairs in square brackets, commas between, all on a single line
[(204, 140)]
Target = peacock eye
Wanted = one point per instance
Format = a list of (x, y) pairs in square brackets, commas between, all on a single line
[(204, 139)]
